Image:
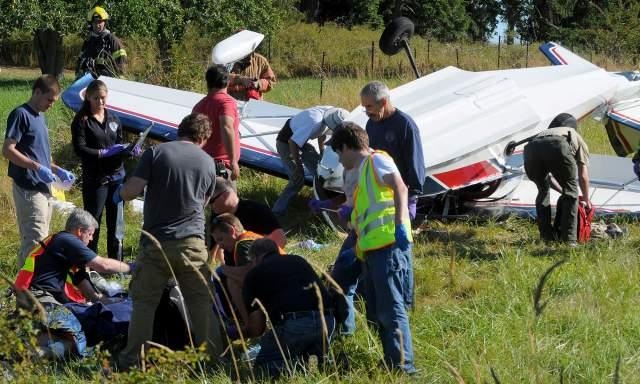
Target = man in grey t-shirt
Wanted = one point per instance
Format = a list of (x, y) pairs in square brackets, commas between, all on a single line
[(180, 178)]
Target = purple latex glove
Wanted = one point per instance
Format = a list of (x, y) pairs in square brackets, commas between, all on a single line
[(136, 151), (344, 212), (45, 174), (112, 150), (317, 205), (636, 168), (413, 202), (132, 266)]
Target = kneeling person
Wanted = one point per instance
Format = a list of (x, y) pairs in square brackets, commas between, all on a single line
[(55, 273), (289, 289)]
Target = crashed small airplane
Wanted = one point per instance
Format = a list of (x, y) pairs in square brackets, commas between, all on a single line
[(466, 119)]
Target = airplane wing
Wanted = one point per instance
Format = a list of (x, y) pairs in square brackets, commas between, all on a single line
[(559, 55), (138, 104)]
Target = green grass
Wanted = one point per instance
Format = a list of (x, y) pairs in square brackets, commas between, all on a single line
[(474, 286)]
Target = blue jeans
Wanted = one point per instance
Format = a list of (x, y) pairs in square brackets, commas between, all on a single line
[(62, 320), (386, 274), (346, 272), (310, 159), (299, 337)]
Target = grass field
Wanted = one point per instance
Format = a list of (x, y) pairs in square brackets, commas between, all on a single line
[(475, 282)]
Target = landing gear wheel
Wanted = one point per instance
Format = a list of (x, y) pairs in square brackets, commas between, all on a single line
[(331, 218), (400, 28)]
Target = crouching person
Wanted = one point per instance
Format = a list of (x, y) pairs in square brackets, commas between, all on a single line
[(55, 274), (298, 306)]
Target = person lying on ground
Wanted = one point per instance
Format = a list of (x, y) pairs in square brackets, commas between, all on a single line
[(254, 215), (298, 306), (230, 235), (55, 274)]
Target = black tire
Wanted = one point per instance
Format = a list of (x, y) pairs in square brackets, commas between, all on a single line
[(399, 29), (331, 218)]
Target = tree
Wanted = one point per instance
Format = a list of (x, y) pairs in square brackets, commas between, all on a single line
[(483, 16), (48, 20), (446, 20)]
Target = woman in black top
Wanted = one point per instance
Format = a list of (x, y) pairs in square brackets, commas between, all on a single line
[(97, 139)]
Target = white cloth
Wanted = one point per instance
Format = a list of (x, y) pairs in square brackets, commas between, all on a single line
[(308, 124), (382, 165)]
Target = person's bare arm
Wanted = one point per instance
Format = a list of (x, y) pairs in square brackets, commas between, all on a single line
[(256, 324), (88, 291), (12, 154), (400, 199), (105, 265), (132, 188), (279, 237), (583, 181), (321, 141), (228, 136)]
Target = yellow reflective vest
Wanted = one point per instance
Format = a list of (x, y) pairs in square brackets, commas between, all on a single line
[(373, 215)]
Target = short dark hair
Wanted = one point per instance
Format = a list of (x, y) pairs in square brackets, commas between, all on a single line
[(46, 84), (351, 135), (217, 76), (224, 222), (564, 120), (195, 127), (262, 247)]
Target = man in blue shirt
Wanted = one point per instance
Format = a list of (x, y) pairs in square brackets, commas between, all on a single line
[(395, 132), (26, 146)]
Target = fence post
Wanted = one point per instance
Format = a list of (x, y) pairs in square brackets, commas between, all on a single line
[(269, 48), (428, 51), (499, 41), (457, 58), (526, 59), (373, 49), (322, 74)]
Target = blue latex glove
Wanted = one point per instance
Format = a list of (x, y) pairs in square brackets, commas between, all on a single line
[(636, 168), (402, 238), (116, 198), (344, 212), (65, 176), (317, 205), (413, 202), (112, 150), (132, 266), (45, 174)]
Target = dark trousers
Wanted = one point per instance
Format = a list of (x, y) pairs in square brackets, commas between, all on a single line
[(97, 197), (552, 155)]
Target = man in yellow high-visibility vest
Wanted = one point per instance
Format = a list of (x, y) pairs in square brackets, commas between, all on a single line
[(381, 221)]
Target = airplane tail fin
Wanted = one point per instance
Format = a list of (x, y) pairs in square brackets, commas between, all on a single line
[(558, 55)]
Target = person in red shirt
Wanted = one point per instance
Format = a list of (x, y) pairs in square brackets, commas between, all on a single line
[(222, 110)]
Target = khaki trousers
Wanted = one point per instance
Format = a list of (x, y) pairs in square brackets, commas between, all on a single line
[(33, 211), (185, 256)]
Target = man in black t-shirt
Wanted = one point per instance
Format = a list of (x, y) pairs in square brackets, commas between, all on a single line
[(288, 288)]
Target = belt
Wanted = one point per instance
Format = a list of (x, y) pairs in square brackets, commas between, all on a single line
[(302, 314)]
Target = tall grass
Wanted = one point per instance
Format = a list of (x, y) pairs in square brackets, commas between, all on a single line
[(475, 283)]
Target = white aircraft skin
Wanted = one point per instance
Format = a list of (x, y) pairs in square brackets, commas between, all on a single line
[(465, 118)]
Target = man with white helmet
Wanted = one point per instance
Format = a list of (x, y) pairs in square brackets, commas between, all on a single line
[(102, 53), (295, 151)]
